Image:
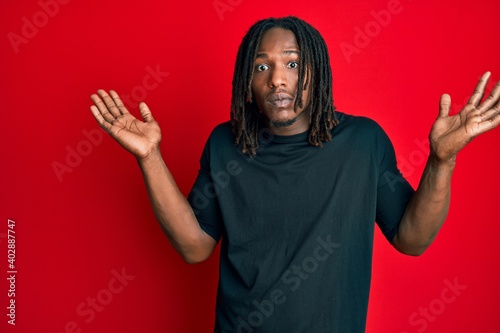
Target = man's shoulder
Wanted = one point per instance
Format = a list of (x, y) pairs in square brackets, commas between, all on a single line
[(222, 132), (357, 123), (221, 138)]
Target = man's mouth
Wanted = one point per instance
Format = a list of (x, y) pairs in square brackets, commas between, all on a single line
[(280, 100)]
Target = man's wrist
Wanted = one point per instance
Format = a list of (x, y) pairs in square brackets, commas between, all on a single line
[(441, 163), (153, 157), (440, 170)]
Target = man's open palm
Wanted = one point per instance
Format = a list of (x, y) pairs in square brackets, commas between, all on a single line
[(450, 134), (138, 137)]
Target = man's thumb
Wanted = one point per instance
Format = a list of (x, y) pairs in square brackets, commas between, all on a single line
[(444, 105), (145, 112)]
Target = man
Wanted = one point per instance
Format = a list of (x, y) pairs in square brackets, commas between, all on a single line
[(292, 187)]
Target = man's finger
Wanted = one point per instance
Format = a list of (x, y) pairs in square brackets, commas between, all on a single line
[(145, 112), (109, 102), (490, 115), (478, 93), (118, 102), (492, 99), (100, 119), (444, 105), (492, 121), (101, 107)]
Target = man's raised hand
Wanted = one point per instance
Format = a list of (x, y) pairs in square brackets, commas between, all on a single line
[(138, 137), (450, 134)]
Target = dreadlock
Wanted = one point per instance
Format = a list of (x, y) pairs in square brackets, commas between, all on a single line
[(314, 59)]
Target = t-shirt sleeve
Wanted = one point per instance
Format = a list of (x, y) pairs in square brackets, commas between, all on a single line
[(393, 190), (203, 197)]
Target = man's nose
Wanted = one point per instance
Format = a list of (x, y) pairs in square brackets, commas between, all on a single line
[(277, 77)]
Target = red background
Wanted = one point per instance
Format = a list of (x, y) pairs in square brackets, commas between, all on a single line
[(74, 229)]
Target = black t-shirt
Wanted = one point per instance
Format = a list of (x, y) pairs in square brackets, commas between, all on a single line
[(297, 225)]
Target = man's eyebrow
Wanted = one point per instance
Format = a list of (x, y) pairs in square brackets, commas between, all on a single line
[(261, 55)]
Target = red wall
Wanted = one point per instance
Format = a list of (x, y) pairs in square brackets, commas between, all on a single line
[(90, 256)]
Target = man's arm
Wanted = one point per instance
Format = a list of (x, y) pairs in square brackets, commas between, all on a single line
[(428, 208), (142, 139)]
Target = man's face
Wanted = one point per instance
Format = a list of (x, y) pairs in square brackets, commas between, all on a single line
[(275, 82)]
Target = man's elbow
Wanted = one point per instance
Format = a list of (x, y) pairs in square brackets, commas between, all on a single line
[(409, 249), (414, 252), (197, 250), (194, 258)]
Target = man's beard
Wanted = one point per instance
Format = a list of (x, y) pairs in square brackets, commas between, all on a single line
[(283, 123)]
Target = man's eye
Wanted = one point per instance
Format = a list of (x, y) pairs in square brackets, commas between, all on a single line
[(293, 64), (261, 67)]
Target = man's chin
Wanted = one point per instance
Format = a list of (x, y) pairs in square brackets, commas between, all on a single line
[(282, 123)]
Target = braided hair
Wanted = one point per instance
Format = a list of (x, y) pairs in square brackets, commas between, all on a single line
[(245, 118)]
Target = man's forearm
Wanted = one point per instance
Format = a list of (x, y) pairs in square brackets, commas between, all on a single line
[(174, 213), (427, 209)]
